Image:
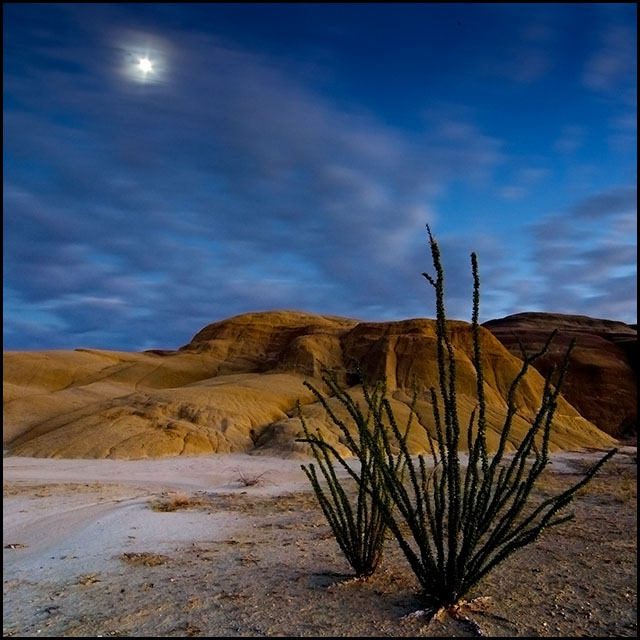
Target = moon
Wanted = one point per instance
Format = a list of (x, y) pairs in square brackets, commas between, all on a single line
[(145, 65), (143, 62)]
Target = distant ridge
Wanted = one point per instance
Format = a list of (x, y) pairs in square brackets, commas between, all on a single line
[(602, 382)]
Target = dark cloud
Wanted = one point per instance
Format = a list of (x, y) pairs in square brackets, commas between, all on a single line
[(605, 205)]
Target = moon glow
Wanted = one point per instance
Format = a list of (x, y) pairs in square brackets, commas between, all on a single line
[(144, 58), (145, 65)]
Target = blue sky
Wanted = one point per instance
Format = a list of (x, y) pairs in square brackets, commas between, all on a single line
[(289, 156)]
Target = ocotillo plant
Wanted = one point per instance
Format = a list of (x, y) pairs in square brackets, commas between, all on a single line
[(358, 524), (456, 524)]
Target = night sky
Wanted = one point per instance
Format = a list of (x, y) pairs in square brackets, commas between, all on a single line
[(289, 157)]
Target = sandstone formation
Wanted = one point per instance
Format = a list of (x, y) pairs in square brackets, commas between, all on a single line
[(602, 379), (236, 385)]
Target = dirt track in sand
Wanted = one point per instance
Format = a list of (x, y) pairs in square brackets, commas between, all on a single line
[(87, 553)]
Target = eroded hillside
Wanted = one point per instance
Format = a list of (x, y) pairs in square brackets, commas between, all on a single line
[(236, 385), (602, 383)]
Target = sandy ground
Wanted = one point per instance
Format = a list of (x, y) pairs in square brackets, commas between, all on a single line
[(90, 550)]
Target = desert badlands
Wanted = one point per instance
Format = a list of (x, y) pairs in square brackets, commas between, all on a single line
[(160, 493)]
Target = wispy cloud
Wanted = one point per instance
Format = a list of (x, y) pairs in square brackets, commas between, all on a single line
[(585, 258), (613, 63), (523, 181), (527, 55), (620, 201), (611, 73), (265, 194), (570, 140)]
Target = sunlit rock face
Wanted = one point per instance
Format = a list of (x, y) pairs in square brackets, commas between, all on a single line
[(602, 381), (236, 387)]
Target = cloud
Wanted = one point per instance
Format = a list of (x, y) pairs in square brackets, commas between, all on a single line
[(512, 192), (527, 39), (458, 148), (611, 72), (622, 200), (523, 180), (571, 138), (586, 258), (612, 66), (138, 214)]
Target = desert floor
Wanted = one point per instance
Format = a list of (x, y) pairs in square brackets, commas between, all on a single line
[(90, 549)]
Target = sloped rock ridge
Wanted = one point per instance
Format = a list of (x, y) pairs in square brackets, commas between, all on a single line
[(602, 383), (236, 387)]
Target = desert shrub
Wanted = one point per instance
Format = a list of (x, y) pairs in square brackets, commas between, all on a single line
[(175, 501), (358, 522), (250, 479), (454, 524)]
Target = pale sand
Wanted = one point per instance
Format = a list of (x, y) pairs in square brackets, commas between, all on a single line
[(260, 560), (102, 506)]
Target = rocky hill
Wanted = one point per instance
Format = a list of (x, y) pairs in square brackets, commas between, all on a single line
[(235, 387), (602, 383)]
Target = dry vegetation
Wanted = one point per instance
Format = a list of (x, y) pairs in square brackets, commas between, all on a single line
[(145, 559), (250, 479), (174, 501), (454, 525)]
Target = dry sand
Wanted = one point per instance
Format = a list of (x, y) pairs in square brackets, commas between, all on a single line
[(88, 553)]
